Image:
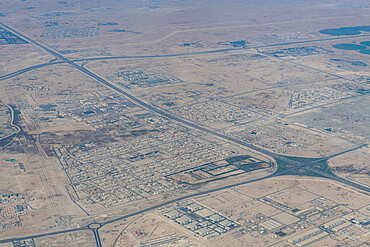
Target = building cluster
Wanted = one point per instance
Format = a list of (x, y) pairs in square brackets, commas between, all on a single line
[(337, 224), (314, 95), (215, 112), (295, 36), (233, 166), (297, 51), (104, 111), (278, 137), (283, 38), (100, 110), (308, 237), (339, 229), (332, 220), (136, 168), (24, 243), (59, 32), (12, 206), (200, 220), (163, 240), (8, 38), (100, 50), (146, 78)]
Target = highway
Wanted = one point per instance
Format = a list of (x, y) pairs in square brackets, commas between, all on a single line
[(162, 112), (97, 237), (22, 71), (43, 235), (28, 69), (338, 179), (335, 177), (139, 101), (305, 66), (159, 111), (313, 40), (95, 230), (31, 68)]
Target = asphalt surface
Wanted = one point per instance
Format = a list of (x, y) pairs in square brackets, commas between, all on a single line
[(19, 72), (175, 118)]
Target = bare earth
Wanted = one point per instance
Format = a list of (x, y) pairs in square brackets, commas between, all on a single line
[(184, 123)]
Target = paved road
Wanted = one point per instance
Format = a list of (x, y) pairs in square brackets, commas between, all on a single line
[(97, 238), (96, 233), (338, 179), (43, 235), (19, 72), (28, 69), (335, 177), (175, 118), (313, 41), (156, 109), (305, 66), (22, 71)]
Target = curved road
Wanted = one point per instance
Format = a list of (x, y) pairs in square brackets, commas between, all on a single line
[(166, 114), (180, 120), (19, 72)]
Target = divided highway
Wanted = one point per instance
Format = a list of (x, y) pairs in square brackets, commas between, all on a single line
[(175, 118)]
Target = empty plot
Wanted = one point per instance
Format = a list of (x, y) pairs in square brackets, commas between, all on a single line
[(293, 196), (285, 218)]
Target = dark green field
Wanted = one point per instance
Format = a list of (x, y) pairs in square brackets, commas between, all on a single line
[(352, 47), (345, 30)]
